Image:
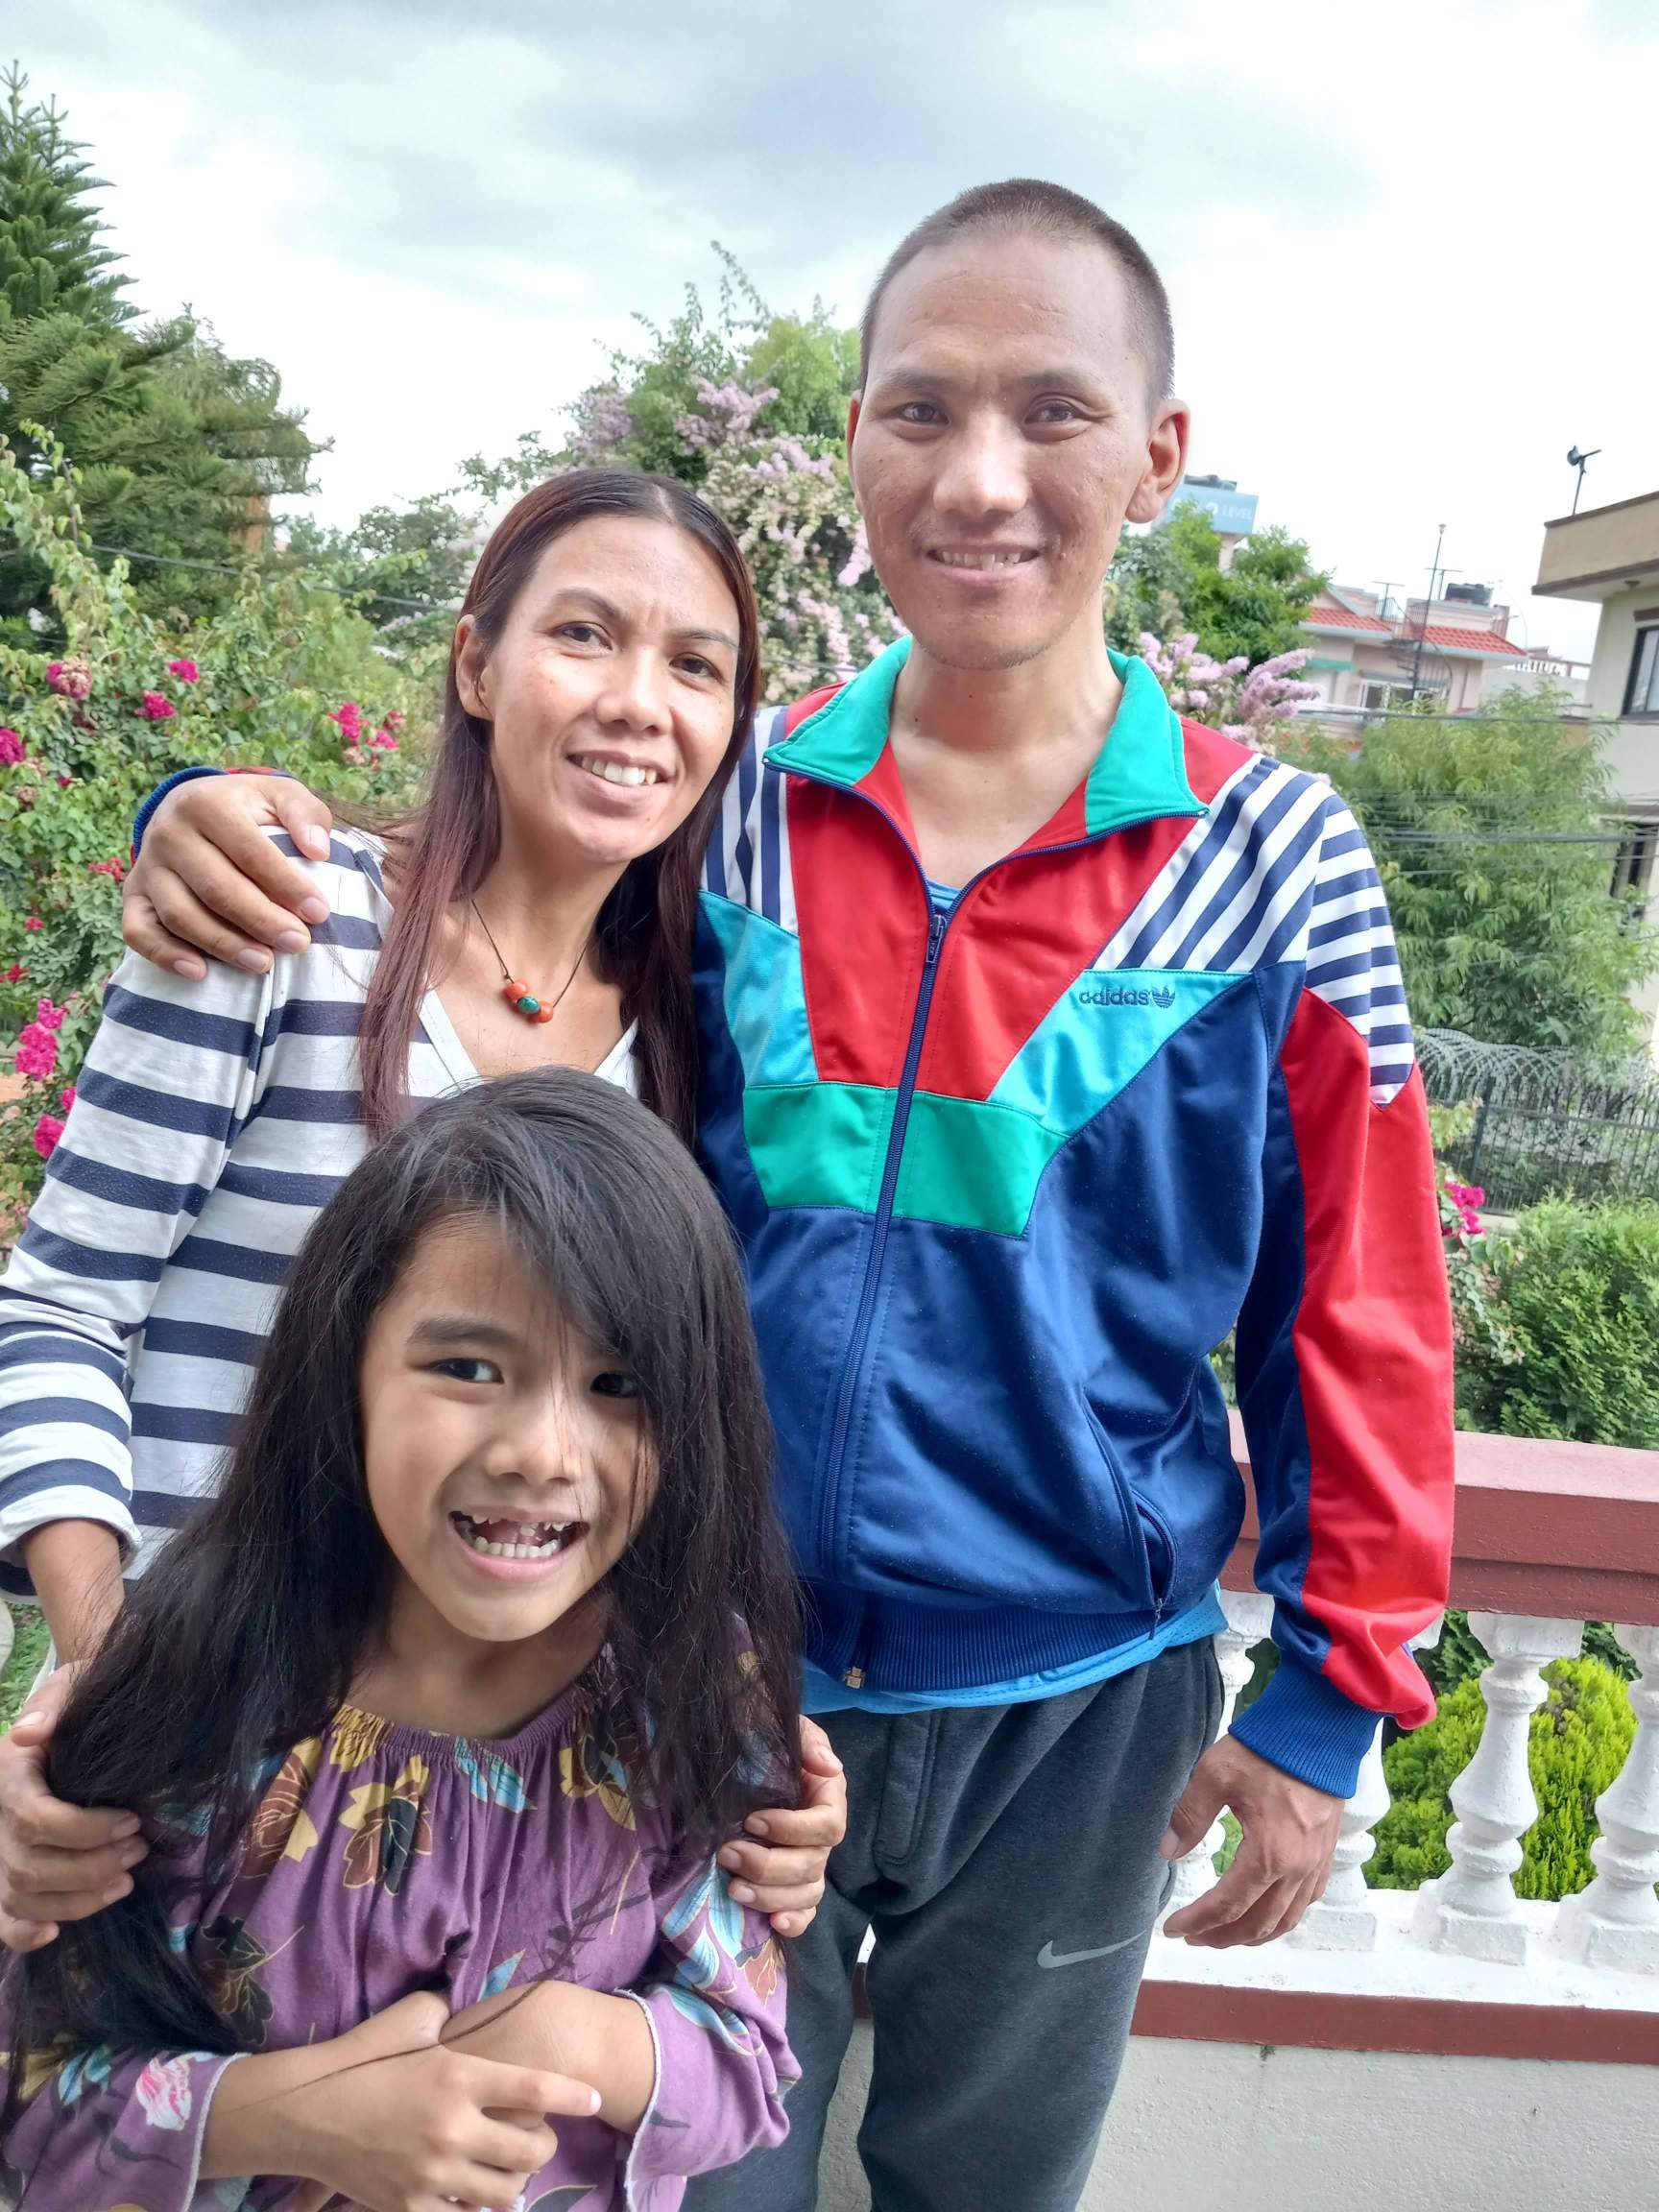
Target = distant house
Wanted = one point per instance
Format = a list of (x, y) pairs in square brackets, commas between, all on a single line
[(1611, 555), (1367, 654)]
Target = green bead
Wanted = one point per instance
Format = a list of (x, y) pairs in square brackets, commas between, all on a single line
[(529, 1005)]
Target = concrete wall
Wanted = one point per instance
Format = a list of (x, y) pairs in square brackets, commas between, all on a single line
[(1615, 642), (1238, 2128)]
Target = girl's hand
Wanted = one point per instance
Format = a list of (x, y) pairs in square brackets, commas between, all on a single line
[(782, 1873), (400, 2124)]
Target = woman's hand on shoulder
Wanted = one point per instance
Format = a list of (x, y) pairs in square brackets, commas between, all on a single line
[(780, 1862), (209, 880), (58, 1861)]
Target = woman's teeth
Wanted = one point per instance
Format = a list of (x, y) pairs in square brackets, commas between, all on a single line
[(512, 1539), (618, 772)]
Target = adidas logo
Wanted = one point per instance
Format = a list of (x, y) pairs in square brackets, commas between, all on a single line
[(1128, 995)]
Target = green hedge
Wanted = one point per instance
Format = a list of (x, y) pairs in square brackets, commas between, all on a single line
[(1578, 1287)]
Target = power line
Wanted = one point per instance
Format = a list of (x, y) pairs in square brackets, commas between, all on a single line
[(229, 569)]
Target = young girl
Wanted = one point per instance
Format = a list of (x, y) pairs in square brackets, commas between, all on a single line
[(437, 1715)]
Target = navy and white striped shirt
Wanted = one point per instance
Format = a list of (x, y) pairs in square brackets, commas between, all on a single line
[(210, 1124)]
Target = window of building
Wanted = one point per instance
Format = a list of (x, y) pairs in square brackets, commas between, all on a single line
[(1633, 863), (1378, 696), (1643, 695)]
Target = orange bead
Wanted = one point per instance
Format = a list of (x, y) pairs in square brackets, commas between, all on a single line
[(545, 1014), (513, 991)]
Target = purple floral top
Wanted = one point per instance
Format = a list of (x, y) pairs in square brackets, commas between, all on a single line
[(384, 1859)]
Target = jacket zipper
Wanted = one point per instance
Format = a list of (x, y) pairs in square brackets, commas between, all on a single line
[(937, 925)]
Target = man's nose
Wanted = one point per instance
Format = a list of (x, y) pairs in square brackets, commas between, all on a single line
[(982, 470)]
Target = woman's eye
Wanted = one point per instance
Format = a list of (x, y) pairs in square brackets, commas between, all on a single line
[(614, 1383), (468, 1370), (694, 664), (581, 633)]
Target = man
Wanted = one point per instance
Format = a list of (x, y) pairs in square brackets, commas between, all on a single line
[(1043, 1039)]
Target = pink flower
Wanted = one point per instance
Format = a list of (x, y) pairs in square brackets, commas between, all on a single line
[(17, 972), (11, 749), (48, 1015), (34, 923), (350, 717), (65, 781), (69, 1097), (47, 1130), (163, 2092), (186, 671), (157, 707), (383, 742), (72, 678), (395, 720), (37, 1051), (116, 868)]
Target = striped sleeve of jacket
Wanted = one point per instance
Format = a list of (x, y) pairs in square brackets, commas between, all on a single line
[(1344, 1346), (166, 1085)]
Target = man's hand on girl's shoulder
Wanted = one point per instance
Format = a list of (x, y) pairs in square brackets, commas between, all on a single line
[(58, 1861), (780, 1862)]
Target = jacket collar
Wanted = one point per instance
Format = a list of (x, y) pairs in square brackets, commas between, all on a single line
[(1138, 775)]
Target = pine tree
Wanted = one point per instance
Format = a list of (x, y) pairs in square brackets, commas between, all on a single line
[(52, 255), (177, 447)]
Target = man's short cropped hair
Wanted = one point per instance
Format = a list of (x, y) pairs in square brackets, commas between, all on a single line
[(1027, 203)]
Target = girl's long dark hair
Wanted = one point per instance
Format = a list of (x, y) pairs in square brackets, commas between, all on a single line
[(442, 852), (248, 1632)]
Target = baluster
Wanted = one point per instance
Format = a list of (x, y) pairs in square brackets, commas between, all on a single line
[(1472, 1907), (1346, 1918), (1616, 1921), (1249, 1618)]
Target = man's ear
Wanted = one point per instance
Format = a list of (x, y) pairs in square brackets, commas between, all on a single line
[(472, 671), (1165, 463)]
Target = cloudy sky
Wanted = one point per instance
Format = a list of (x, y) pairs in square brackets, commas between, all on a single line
[(1402, 242)]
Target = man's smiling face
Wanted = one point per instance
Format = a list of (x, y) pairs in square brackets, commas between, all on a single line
[(1005, 431)]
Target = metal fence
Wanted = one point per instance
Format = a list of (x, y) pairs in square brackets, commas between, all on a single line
[(1544, 1125)]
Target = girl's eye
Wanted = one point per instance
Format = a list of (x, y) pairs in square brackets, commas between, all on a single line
[(614, 1383), (468, 1370)]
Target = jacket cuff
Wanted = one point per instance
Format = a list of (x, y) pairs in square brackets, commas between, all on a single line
[(146, 813), (1302, 1726)]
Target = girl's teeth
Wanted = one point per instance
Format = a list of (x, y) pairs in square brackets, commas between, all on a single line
[(525, 1547), (620, 772)]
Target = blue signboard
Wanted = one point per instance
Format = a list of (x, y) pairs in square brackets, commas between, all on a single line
[(1231, 512)]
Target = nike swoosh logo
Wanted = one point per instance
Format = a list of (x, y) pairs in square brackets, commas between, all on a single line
[(1049, 1956)]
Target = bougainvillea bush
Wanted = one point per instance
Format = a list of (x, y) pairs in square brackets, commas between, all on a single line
[(286, 676)]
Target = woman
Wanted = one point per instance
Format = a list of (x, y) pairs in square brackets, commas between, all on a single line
[(537, 910)]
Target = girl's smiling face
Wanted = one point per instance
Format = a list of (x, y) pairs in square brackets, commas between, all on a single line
[(505, 1457)]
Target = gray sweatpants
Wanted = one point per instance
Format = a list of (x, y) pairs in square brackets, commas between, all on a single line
[(1007, 1858)]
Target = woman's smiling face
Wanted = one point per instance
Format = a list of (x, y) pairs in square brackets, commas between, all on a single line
[(505, 1457), (609, 693)]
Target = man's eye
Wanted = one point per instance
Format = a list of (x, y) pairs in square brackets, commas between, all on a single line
[(922, 412), (468, 1370), (1056, 411), (615, 1383)]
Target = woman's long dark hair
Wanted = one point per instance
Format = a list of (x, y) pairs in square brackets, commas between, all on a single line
[(442, 854), (248, 1632)]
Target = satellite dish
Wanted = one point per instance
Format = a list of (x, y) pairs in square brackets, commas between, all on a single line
[(1573, 457)]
